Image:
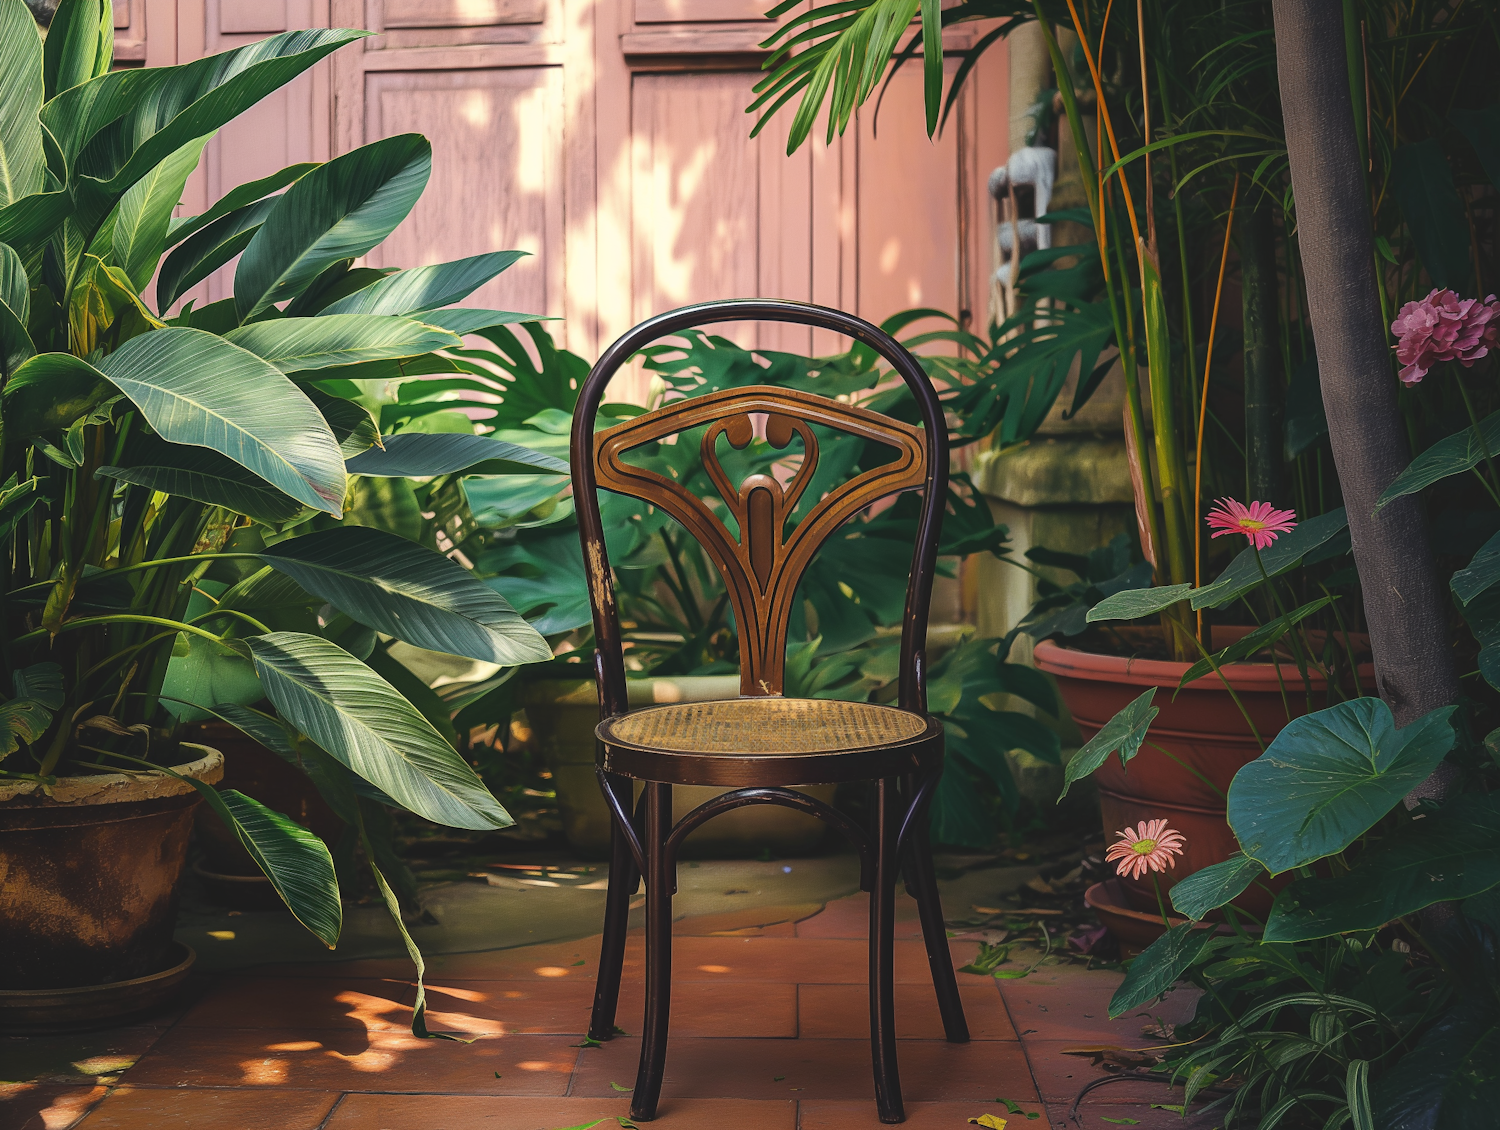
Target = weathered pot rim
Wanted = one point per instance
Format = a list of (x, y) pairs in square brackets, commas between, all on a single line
[(1094, 666), (119, 788), (184, 954)]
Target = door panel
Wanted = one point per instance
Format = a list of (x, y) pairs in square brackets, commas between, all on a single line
[(496, 169)]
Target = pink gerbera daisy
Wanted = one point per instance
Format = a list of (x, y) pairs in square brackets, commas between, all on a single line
[(1148, 845), (1260, 521)]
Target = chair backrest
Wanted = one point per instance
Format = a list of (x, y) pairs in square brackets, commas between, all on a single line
[(761, 568)]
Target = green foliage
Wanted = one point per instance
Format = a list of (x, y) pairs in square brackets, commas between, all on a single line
[(181, 536), (1328, 777), (1123, 733)]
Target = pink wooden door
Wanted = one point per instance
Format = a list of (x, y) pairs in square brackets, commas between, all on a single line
[(608, 139)]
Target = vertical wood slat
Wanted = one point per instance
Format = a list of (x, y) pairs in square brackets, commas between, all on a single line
[(655, 194)]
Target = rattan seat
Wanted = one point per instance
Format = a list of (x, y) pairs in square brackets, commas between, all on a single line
[(768, 741)]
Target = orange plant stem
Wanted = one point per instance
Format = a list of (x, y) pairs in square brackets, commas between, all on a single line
[(1109, 126), (1213, 326)]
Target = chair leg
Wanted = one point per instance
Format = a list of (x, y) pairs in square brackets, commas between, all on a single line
[(882, 956), (623, 880), (659, 884), (922, 884)]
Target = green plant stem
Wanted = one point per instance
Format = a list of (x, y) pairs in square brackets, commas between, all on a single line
[(1291, 635), (234, 612), (1463, 391), (121, 618), (152, 564), (1161, 903), (1219, 671), (1338, 619), (1173, 757)]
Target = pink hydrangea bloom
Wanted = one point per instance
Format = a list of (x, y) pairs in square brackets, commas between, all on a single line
[(1260, 521), (1152, 846), (1444, 327)]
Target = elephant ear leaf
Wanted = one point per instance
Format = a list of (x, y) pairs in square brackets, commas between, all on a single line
[(363, 722), (1328, 777), (337, 211), (408, 591), (22, 165)]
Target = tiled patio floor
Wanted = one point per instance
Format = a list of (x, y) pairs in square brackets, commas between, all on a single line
[(769, 1031)]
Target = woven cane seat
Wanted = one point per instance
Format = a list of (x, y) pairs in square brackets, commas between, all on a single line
[(796, 741)]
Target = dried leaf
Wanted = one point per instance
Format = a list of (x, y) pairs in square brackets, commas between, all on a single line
[(993, 1121)]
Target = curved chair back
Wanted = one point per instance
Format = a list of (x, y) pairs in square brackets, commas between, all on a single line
[(762, 567)]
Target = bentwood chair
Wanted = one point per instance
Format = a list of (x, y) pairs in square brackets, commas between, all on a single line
[(757, 745)]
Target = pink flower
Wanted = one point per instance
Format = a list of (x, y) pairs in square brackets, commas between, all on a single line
[(1444, 327), (1153, 846), (1260, 521)]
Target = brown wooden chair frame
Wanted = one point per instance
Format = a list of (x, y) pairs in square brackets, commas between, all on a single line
[(761, 570)]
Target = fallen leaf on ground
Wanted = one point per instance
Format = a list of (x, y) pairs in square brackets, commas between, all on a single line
[(993, 1121), (1121, 1121), (617, 1086), (1039, 885), (1012, 1107), (986, 909)]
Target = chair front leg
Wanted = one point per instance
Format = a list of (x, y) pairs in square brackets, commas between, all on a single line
[(921, 882), (624, 877), (659, 884), (882, 953)]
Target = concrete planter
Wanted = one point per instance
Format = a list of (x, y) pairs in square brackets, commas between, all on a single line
[(563, 714)]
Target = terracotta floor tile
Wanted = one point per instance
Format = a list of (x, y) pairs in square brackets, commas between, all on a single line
[(296, 1002), (850, 918), (842, 1011), (45, 1106), (818, 1114), (384, 1112), (698, 1008), (74, 1057), (1067, 1002), (521, 962), (791, 960), (134, 1108), (357, 1061), (823, 1069)]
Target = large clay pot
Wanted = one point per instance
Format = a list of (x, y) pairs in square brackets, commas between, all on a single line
[(88, 875), (563, 714), (1201, 728)]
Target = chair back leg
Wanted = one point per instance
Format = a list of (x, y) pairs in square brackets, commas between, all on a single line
[(921, 883), (660, 882), (623, 880), (882, 954)]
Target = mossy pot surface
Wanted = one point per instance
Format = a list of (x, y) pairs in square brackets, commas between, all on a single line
[(89, 876)]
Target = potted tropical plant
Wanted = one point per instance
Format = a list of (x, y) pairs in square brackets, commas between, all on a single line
[(156, 476)]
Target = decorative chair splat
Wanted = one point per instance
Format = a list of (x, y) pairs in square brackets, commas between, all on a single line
[(762, 567)]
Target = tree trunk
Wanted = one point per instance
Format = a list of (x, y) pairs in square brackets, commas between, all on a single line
[(1403, 602), (1265, 383)]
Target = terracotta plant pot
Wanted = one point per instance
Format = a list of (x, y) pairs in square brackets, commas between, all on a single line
[(1202, 728), (563, 714), (90, 875)]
